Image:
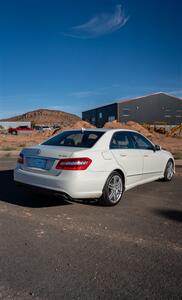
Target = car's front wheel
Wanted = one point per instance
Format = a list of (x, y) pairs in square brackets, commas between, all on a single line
[(113, 190), (169, 171)]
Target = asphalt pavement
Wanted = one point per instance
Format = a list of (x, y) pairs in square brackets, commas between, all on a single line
[(54, 249)]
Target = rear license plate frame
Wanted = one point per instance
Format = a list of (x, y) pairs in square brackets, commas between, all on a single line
[(38, 163)]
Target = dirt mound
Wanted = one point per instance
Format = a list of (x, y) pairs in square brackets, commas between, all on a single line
[(132, 126), (138, 127), (81, 124), (47, 117), (10, 142), (77, 125)]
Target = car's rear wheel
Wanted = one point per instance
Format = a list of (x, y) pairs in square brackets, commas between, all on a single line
[(113, 190), (169, 171)]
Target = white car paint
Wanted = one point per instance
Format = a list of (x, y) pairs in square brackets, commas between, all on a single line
[(138, 166)]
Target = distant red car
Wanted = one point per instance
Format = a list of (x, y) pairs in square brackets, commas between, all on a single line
[(18, 129)]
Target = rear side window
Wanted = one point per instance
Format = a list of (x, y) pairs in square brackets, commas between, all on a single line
[(141, 142), (80, 139), (121, 140)]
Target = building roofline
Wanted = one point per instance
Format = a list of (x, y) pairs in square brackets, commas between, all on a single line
[(132, 99), (96, 107), (147, 95)]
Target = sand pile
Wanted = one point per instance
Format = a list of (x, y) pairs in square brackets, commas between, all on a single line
[(132, 126), (80, 124), (77, 125), (11, 142)]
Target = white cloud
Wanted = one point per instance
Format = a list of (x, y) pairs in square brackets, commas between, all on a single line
[(86, 94), (94, 92), (100, 24)]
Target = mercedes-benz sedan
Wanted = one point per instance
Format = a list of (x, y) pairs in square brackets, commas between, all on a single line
[(93, 163)]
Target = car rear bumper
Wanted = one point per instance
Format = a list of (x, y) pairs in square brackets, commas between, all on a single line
[(75, 184), (40, 190)]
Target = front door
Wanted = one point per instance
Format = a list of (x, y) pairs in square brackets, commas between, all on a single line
[(153, 162)]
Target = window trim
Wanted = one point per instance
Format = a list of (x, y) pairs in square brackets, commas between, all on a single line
[(133, 141), (140, 134), (128, 132)]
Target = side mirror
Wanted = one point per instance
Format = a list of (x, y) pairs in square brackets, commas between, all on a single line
[(157, 147)]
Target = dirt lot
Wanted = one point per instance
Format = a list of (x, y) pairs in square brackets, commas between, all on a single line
[(9, 144)]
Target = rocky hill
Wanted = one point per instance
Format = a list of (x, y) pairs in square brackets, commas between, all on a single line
[(46, 117)]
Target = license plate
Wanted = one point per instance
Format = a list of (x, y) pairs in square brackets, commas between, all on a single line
[(37, 163)]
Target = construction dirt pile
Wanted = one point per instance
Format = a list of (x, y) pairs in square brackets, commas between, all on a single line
[(10, 143), (77, 125), (172, 144), (132, 126)]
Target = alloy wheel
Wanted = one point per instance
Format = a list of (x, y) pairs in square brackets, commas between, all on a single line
[(115, 188), (170, 170)]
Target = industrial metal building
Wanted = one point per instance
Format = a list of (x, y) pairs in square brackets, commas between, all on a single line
[(158, 108)]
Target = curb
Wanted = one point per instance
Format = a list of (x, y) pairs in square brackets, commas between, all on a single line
[(178, 166), (178, 163)]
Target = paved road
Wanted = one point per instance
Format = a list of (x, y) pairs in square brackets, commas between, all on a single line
[(52, 249)]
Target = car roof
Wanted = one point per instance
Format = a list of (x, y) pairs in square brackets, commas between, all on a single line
[(102, 129)]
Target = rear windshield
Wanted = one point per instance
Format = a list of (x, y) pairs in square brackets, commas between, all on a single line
[(80, 139)]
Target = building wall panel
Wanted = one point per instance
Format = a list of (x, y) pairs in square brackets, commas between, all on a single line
[(99, 116), (159, 108)]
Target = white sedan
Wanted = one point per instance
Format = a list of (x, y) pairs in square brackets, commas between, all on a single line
[(93, 163)]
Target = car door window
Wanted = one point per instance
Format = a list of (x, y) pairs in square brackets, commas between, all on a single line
[(141, 142), (121, 140)]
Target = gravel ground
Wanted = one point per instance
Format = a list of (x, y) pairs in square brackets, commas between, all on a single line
[(53, 249)]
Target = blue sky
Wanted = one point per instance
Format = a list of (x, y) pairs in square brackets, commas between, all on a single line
[(74, 55)]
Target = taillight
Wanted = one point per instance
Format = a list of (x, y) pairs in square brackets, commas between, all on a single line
[(81, 163), (20, 159)]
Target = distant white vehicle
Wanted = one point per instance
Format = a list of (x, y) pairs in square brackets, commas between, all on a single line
[(93, 163), (43, 127)]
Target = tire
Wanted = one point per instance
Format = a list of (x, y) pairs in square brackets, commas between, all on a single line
[(14, 133), (169, 171), (113, 190)]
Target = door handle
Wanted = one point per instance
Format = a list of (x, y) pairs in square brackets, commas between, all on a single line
[(123, 155), (146, 155)]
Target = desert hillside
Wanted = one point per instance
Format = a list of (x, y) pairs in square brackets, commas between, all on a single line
[(47, 117)]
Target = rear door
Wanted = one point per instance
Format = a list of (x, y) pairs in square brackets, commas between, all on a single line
[(129, 158)]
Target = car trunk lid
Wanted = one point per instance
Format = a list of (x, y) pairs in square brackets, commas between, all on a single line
[(43, 159)]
